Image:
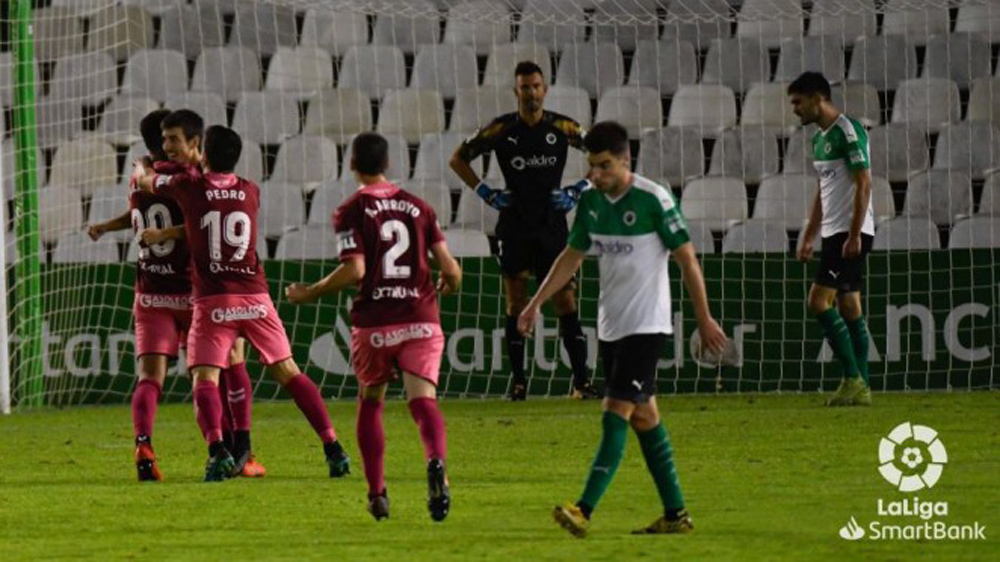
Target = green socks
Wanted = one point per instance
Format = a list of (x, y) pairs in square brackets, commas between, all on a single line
[(659, 455), (859, 337), (609, 455), (840, 340)]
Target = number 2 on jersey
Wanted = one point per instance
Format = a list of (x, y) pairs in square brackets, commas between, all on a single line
[(395, 230), (235, 228)]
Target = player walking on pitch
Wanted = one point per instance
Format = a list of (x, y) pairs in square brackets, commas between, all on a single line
[(231, 297), (842, 215), (163, 303), (384, 235), (530, 147), (634, 225)]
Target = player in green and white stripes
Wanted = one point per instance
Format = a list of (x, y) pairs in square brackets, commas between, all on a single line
[(842, 213), (633, 225)]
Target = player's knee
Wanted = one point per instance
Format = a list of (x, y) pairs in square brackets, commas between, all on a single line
[(644, 418), (818, 302)]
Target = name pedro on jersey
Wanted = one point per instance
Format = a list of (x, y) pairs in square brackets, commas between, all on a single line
[(225, 194)]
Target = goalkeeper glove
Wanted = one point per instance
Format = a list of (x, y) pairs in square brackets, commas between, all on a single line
[(566, 198), (493, 197)]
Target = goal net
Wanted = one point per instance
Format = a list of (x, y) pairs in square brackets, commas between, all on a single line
[(699, 84)]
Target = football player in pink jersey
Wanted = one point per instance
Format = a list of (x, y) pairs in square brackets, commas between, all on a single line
[(163, 303), (384, 235), (231, 297)]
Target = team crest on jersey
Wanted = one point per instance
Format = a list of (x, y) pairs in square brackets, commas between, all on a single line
[(629, 218), (550, 138), (827, 148)]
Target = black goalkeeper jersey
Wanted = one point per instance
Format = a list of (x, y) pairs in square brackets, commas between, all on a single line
[(531, 159)]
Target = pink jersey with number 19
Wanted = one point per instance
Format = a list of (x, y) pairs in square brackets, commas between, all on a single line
[(393, 231), (220, 221)]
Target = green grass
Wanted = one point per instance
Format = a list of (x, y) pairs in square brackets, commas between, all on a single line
[(765, 477)]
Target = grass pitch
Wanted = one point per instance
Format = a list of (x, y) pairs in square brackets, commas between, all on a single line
[(765, 477)]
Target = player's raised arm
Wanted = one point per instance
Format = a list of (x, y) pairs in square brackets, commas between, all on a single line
[(561, 273), (451, 273), (121, 222)]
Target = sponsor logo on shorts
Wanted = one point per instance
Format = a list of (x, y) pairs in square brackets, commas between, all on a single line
[(173, 302), (233, 313), (400, 335)]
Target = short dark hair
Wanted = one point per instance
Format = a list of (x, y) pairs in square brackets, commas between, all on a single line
[(811, 83), (152, 134), (370, 152), (190, 122), (527, 68), (607, 135), (223, 147)]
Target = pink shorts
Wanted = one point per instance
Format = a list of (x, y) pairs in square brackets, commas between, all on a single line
[(220, 319), (161, 323), (377, 354)]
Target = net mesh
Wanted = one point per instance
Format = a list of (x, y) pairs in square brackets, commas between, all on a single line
[(699, 84)]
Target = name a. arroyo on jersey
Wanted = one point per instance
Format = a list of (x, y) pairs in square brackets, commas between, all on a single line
[(393, 205), (233, 313), (157, 268), (614, 247), (398, 336), (216, 267), (174, 302), (395, 293), (537, 161)]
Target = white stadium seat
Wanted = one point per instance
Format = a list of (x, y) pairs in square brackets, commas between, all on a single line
[(929, 103), (120, 121), (156, 73), (411, 114), (710, 109), (266, 117), (755, 236), (306, 161), (595, 67), (976, 232), (84, 164), (61, 212), (334, 30), (467, 243), (897, 151), (770, 21), (373, 69), (446, 68), (299, 72), (786, 200), (477, 107), (940, 195), (281, 209), (339, 114), (717, 202), (481, 24), (310, 243), (637, 108), (750, 153), (672, 153), (907, 233), (665, 65), (406, 24), (227, 71)]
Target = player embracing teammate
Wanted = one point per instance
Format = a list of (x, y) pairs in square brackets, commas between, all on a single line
[(230, 291), (384, 235)]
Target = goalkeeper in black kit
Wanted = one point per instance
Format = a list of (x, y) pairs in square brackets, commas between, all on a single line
[(530, 147)]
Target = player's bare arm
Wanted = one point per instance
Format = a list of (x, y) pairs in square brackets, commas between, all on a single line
[(121, 222), (694, 282), (562, 271), (152, 236), (348, 274), (812, 228), (142, 176), (450, 279), (461, 167), (862, 192)]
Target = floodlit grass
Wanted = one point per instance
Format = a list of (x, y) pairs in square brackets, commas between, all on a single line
[(764, 476)]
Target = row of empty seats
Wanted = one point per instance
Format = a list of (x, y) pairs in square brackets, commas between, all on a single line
[(967, 150), (882, 63), (751, 236), (265, 27), (942, 197)]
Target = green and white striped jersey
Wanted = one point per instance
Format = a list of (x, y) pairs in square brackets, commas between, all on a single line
[(632, 237), (837, 153)]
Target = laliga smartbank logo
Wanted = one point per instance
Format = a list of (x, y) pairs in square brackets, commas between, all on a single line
[(911, 458)]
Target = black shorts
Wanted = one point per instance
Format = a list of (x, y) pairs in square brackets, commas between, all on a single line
[(836, 272), (535, 254), (630, 366)]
